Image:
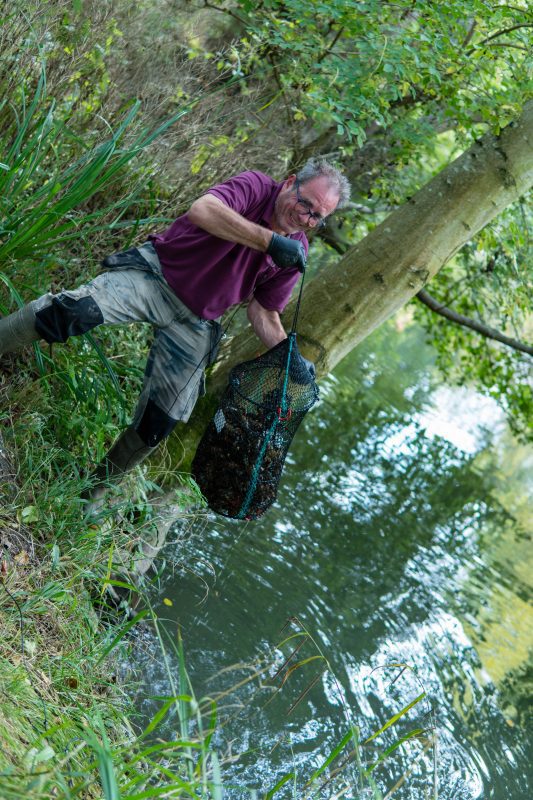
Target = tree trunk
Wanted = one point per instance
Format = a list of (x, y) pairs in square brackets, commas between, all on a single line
[(345, 303)]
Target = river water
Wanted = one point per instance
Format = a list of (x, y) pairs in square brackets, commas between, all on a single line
[(395, 563)]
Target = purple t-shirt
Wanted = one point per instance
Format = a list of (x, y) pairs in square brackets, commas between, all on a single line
[(210, 274)]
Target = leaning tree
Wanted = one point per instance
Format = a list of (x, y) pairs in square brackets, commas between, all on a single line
[(345, 302)]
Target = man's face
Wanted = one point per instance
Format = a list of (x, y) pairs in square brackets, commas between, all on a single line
[(295, 201)]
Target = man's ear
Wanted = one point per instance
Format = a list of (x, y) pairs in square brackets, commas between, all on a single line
[(289, 182)]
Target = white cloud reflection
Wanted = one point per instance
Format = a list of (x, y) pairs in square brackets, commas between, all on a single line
[(461, 416)]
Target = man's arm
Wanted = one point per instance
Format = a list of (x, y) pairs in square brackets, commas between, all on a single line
[(215, 217), (266, 324)]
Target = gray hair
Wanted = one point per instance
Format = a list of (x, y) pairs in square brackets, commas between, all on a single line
[(318, 167)]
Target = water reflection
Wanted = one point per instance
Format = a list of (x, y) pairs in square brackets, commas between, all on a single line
[(398, 538)]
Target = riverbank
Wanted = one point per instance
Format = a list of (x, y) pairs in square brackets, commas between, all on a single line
[(68, 724)]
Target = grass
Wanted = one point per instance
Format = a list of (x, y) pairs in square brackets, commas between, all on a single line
[(65, 723), (67, 726), (43, 201)]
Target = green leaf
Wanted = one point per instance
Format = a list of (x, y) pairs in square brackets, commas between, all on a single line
[(396, 717), (333, 755), (217, 778), (55, 556), (35, 756), (156, 719), (29, 514), (386, 753), (279, 784), (123, 631)]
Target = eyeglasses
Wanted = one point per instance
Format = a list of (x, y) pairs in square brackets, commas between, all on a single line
[(304, 207)]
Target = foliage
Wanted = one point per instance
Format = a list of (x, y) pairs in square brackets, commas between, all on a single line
[(393, 92), (40, 196), (353, 65), (490, 280)]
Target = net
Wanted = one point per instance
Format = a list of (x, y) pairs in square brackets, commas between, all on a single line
[(240, 458)]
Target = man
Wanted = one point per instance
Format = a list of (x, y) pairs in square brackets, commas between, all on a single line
[(244, 240)]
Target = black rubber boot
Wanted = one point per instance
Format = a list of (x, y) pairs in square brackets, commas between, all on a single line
[(128, 451), (17, 330)]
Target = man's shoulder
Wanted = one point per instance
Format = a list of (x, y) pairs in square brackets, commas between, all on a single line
[(246, 192), (250, 181), (255, 176)]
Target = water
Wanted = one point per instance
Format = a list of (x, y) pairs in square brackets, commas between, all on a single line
[(399, 537)]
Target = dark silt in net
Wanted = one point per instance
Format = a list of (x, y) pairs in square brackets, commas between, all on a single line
[(239, 460)]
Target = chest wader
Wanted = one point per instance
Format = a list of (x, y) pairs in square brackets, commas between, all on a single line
[(240, 458)]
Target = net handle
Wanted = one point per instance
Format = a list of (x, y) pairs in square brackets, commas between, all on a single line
[(283, 414), (298, 302), (292, 338)]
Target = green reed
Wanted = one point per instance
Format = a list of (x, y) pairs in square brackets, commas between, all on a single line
[(43, 201)]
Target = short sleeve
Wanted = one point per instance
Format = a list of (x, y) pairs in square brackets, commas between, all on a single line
[(243, 192), (275, 293)]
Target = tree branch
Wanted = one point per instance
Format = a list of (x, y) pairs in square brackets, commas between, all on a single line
[(332, 44), (511, 8), (479, 327), (469, 35), (227, 11), (499, 33), (509, 44), (330, 236), (279, 83)]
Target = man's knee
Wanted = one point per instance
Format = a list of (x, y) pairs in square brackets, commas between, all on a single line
[(67, 316), (154, 425)]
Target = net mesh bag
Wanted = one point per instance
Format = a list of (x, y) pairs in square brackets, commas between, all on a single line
[(239, 460)]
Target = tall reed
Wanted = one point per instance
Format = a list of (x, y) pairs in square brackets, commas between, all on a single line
[(43, 202)]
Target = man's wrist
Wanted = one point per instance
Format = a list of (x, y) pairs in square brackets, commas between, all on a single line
[(269, 236)]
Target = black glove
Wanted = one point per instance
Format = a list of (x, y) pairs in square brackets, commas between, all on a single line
[(287, 252), (301, 370), (310, 366)]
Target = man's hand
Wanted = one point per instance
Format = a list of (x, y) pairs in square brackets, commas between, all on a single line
[(287, 252), (301, 370), (310, 366)]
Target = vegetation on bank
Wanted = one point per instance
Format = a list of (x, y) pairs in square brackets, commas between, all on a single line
[(112, 120), (68, 725)]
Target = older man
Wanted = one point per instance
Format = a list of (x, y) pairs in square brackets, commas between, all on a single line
[(244, 240)]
